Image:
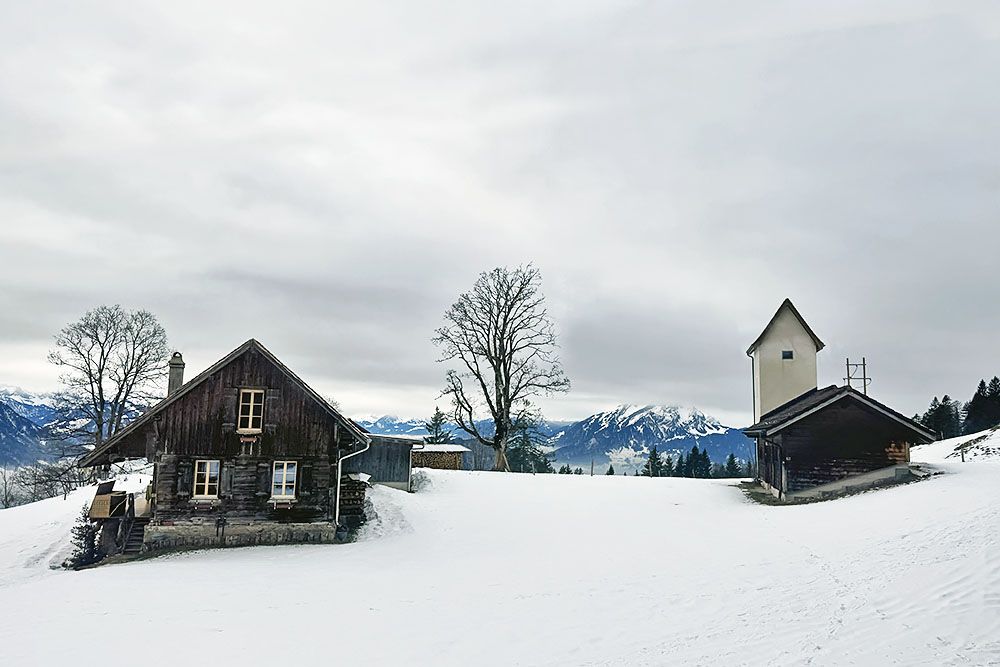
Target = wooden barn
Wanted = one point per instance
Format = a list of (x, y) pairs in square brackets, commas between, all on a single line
[(244, 453), (811, 442), (388, 461)]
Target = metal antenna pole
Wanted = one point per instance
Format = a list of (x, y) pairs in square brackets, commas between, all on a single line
[(853, 369)]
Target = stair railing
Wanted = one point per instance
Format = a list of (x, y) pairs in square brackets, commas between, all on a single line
[(125, 531)]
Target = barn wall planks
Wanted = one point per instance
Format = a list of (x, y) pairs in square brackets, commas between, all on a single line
[(844, 439), (386, 461)]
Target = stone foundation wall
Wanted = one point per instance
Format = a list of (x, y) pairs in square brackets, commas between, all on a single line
[(193, 534)]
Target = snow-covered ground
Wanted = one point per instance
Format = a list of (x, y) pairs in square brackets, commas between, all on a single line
[(490, 569)]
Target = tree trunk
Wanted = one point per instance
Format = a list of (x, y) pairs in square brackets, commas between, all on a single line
[(501, 464)]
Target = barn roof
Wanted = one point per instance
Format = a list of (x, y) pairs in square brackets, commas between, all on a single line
[(787, 303), (99, 455), (818, 399)]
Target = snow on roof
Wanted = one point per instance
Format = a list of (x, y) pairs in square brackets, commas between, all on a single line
[(443, 448)]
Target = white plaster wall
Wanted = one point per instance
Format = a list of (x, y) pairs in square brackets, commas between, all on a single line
[(776, 380)]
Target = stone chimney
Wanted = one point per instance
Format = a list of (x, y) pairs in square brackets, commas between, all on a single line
[(176, 378)]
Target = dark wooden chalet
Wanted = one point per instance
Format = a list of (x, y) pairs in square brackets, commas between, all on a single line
[(828, 439), (244, 453)]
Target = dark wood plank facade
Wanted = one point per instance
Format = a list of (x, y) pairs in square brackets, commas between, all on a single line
[(842, 440), (199, 423), (847, 437)]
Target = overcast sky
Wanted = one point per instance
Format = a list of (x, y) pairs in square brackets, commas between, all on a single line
[(328, 177)]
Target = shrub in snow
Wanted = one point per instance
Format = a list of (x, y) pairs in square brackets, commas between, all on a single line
[(420, 481), (84, 542)]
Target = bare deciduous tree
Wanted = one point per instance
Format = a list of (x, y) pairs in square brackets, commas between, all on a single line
[(9, 496), (113, 361), (501, 334)]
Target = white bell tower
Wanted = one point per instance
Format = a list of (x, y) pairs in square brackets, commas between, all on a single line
[(784, 360)]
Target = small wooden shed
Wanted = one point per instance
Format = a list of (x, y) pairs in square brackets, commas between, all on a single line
[(387, 461), (441, 456), (831, 438)]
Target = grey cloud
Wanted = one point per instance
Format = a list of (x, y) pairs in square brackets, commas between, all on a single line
[(329, 179)]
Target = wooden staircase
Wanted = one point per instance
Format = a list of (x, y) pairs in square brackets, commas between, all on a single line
[(135, 536)]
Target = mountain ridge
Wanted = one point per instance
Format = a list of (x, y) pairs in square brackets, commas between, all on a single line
[(621, 436)]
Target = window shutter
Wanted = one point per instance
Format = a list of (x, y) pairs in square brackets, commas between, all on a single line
[(272, 408), (185, 478), (226, 481), (264, 473), (305, 482), (229, 401)]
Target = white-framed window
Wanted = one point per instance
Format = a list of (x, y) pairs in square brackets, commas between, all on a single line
[(251, 417), (206, 479), (283, 481)]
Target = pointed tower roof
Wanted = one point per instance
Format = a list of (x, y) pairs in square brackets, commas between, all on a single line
[(787, 304)]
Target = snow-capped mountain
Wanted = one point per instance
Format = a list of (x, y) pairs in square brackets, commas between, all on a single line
[(21, 440), (624, 435), (39, 408), (390, 425)]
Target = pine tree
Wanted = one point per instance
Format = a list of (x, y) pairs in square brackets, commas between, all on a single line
[(578, 471), (565, 469), (976, 410), (680, 467), (707, 469), (732, 468), (993, 403), (84, 534), (951, 417), (653, 464), (667, 470), (697, 464), (437, 431), (523, 455), (611, 469), (943, 417)]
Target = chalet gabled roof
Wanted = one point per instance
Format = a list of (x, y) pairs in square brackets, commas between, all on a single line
[(787, 303), (817, 399), (252, 344)]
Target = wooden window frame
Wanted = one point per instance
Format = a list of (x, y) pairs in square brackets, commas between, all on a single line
[(206, 484), (256, 398), (285, 485)]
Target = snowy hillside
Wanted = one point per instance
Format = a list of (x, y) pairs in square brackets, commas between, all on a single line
[(984, 445), (693, 573), (624, 435)]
